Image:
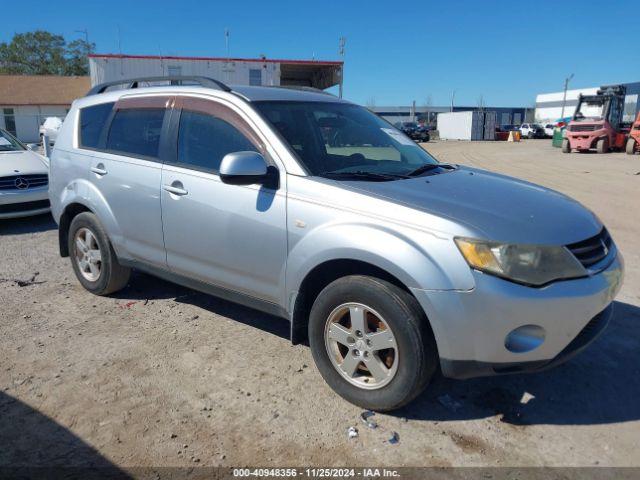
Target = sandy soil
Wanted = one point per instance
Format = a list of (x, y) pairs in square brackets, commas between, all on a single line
[(164, 376)]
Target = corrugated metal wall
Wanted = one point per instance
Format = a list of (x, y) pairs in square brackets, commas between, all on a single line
[(105, 69)]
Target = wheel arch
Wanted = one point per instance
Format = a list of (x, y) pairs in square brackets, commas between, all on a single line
[(321, 276), (81, 196)]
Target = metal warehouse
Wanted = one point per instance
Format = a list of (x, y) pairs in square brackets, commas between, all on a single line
[(428, 114), (235, 71), (549, 105)]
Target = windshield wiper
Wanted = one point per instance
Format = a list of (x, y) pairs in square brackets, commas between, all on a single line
[(361, 174), (428, 167)]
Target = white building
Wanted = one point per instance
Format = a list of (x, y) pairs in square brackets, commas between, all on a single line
[(26, 100), (233, 71), (549, 105)]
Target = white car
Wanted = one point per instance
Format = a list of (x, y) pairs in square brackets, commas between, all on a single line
[(50, 127), (531, 130), (24, 179), (548, 130)]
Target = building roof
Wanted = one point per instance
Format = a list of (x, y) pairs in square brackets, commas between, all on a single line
[(217, 59), (41, 89)]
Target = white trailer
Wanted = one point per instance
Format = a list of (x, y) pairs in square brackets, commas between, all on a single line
[(471, 125)]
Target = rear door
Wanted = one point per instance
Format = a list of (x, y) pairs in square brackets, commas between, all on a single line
[(230, 236), (127, 169)]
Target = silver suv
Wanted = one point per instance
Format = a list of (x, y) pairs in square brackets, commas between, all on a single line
[(302, 205)]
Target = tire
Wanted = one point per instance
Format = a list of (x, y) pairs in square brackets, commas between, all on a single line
[(603, 145), (110, 276), (631, 146), (530, 135), (411, 361), (566, 146)]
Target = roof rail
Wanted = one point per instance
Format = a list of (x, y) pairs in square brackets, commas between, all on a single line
[(134, 83)]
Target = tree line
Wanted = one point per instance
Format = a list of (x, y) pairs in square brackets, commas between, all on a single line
[(44, 53)]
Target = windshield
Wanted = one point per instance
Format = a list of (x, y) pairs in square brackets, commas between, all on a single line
[(8, 143), (340, 138), (590, 110)]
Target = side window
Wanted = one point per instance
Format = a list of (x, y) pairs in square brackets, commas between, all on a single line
[(136, 131), (92, 120), (204, 139)]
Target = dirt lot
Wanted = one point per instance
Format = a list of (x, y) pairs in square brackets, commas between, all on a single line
[(164, 376)]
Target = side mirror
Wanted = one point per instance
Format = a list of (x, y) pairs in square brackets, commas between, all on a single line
[(244, 168)]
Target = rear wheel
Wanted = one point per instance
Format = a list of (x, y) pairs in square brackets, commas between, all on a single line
[(603, 145), (631, 146), (371, 342), (566, 146), (530, 135), (93, 258)]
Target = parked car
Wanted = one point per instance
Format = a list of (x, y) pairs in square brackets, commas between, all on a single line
[(548, 130), (23, 179), (414, 131), (391, 264), (50, 128), (531, 130)]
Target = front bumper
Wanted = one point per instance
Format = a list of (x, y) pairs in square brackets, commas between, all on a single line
[(471, 326), (584, 141), (24, 203)]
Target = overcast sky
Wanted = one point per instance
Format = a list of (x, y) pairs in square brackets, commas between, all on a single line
[(396, 52)]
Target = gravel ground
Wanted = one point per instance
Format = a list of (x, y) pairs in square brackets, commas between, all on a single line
[(159, 375)]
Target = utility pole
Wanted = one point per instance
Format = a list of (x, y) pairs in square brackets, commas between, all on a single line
[(453, 96), (341, 44), (564, 95), (226, 42)]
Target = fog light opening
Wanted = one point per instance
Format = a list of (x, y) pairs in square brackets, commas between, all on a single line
[(524, 339)]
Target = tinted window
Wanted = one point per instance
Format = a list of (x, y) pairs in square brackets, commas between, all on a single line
[(203, 140), (136, 131), (92, 120), (331, 137)]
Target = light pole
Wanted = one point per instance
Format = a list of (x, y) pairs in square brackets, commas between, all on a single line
[(342, 43), (564, 95), (453, 96)]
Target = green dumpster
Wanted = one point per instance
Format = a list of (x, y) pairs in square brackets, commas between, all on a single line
[(558, 135)]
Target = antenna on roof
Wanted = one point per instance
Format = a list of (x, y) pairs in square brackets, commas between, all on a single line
[(341, 45)]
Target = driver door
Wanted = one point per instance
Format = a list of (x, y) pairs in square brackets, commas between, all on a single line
[(229, 236)]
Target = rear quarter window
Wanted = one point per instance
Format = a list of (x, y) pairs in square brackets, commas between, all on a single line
[(92, 121)]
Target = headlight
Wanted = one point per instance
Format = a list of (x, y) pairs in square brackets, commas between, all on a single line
[(527, 264)]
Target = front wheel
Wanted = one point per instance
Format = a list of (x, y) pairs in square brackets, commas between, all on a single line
[(566, 146), (631, 146), (93, 259), (603, 145), (372, 342)]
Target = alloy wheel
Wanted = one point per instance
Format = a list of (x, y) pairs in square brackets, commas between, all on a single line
[(361, 346), (87, 254)]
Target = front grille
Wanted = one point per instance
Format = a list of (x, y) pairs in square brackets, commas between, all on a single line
[(24, 182), (24, 207), (592, 250), (584, 128)]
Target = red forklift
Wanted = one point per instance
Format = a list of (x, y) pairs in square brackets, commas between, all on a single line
[(633, 142), (597, 122)]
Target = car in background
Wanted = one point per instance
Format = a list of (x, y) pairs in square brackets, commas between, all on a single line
[(548, 130), (419, 133), (531, 130), (24, 179), (50, 128)]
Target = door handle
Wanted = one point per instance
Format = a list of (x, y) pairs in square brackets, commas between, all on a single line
[(176, 188), (99, 169)]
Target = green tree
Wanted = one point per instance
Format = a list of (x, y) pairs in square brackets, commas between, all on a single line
[(44, 53)]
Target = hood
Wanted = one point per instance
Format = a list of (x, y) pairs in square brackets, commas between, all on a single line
[(495, 206), (23, 162)]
